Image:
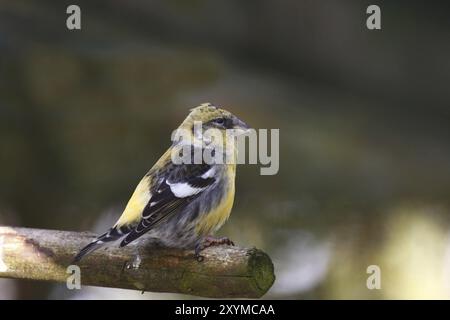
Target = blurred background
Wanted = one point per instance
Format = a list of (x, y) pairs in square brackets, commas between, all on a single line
[(364, 119)]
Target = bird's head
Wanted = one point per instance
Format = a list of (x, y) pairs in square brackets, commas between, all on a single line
[(212, 128), (212, 117)]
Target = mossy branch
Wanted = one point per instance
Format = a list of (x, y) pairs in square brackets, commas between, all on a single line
[(225, 272)]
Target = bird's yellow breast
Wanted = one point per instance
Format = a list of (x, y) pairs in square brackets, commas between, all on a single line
[(213, 220)]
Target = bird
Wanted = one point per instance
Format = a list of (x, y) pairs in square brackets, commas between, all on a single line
[(182, 205)]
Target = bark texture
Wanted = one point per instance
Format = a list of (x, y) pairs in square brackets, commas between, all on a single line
[(225, 272)]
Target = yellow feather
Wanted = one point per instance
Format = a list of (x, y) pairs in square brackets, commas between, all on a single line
[(213, 220), (136, 204), (141, 195)]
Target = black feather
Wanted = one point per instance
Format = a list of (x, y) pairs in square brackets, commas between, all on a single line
[(112, 235), (164, 204), (86, 250)]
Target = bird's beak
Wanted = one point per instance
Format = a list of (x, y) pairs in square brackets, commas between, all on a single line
[(240, 127)]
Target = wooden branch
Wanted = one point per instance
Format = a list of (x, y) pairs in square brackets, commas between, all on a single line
[(226, 272)]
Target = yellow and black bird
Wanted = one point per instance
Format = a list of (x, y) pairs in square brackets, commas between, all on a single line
[(182, 205)]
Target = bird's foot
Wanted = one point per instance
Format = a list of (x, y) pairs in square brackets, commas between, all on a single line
[(210, 241)]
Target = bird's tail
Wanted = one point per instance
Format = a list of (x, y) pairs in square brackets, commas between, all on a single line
[(102, 240)]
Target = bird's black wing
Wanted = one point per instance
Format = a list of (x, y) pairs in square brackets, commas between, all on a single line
[(177, 186)]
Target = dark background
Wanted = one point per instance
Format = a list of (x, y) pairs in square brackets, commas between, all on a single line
[(363, 115)]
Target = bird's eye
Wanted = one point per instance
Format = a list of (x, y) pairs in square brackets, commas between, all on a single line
[(220, 121)]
